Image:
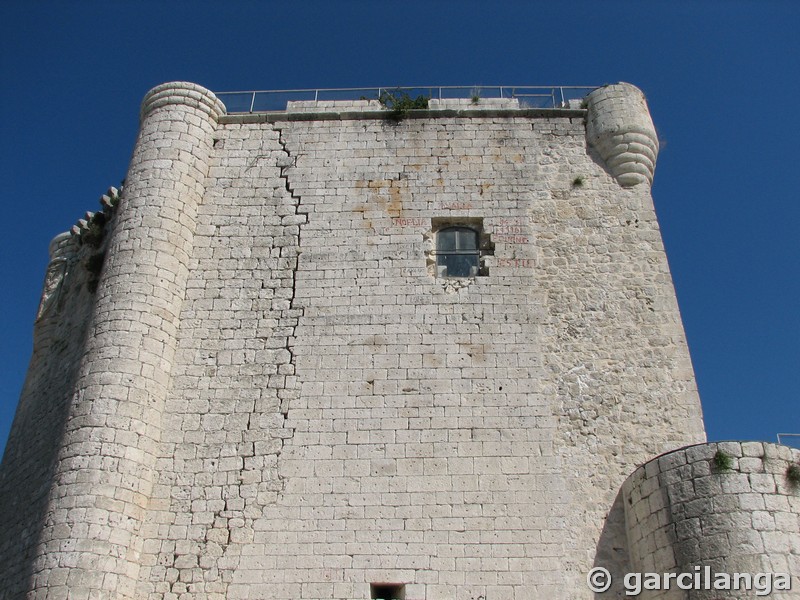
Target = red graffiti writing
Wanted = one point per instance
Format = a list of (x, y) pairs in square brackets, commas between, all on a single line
[(509, 229), (409, 222), (511, 239), (514, 262)]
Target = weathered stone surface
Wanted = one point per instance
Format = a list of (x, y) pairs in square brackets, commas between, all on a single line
[(278, 397)]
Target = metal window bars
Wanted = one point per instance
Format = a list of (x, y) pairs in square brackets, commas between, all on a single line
[(529, 96), (457, 252)]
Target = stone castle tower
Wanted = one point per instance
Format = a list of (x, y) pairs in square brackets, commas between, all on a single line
[(323, 354)]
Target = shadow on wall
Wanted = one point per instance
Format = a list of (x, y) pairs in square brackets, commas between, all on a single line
[(612, 550)]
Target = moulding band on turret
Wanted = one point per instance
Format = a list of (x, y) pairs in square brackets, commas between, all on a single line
[(182, 93)]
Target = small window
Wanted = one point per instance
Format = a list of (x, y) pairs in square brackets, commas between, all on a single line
[(457, 252), (456, 249), (387, 591)]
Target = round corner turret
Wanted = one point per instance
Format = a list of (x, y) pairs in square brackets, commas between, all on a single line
[(619, 128), (61, 246), (138, 277), (62, 250), (718, 507)]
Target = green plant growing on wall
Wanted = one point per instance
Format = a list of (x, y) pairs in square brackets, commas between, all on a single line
[(722, 461), (475, 96), (793, 474), (399, 103), (95, 231), (578, 181)]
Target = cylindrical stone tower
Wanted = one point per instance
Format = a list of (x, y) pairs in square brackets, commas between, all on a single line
[(104, 475), (619, 127), (717, 508)]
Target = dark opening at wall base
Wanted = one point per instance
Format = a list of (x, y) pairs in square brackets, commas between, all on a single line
[(387, 591)]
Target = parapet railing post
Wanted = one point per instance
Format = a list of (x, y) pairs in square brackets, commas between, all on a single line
[(252, 102), (563, 102)]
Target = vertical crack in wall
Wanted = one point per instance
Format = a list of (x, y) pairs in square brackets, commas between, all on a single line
[(293, 313), (234, 522)]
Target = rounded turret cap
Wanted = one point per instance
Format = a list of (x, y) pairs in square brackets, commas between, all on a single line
[(182, 93)]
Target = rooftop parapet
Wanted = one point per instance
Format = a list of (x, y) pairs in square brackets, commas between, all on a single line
[(338, 99), (618, 123)]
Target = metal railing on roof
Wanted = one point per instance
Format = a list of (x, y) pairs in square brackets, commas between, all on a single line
[(528, 96), (789, 439)]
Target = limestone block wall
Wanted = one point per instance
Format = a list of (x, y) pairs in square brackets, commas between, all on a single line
[(279, 398), (688, 509), (340, 417)]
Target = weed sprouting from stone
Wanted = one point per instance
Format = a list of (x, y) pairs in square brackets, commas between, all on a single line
[(399, 103), (793, 474), (722, 461)]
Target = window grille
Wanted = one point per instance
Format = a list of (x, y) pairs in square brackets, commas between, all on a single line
[(457, 252)]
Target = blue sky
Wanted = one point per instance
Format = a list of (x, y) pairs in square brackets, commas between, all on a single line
[(721, 78)]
